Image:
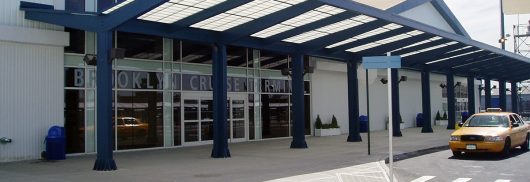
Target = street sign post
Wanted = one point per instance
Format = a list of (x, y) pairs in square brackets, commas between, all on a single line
[(388, 62)]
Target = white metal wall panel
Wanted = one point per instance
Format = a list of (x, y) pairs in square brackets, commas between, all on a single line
[(427, 14), (11, 15), (31, 97)]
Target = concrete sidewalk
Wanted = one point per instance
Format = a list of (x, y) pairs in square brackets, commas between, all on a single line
[(251, 161)]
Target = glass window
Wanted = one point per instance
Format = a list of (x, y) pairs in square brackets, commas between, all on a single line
[(307, 114), (196, 53), (176, 50), (270, 60), (74, 120), (236, 56), (142, 114), (74, 77), (488, 121), (74, 5), (177, 127), (275, 115), (251, 117), (141, 46), (77, 41)]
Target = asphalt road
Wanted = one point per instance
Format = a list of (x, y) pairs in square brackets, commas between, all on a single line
[(442, 166)]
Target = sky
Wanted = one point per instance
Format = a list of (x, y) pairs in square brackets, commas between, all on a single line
[(481, 19)]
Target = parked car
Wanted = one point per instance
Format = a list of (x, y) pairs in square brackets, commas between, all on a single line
[(131, 127), (492, 131)]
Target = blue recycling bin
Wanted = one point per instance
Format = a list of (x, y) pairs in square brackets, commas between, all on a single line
[(419, 120), (363, 123), (55, 144)]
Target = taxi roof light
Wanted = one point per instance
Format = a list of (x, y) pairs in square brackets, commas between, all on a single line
[(493, 110)]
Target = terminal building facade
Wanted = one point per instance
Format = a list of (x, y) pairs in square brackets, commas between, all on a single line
[(162, 89)]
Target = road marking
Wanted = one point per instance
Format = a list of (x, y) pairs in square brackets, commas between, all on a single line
[(423, 179), (502, 180), (462, 179)]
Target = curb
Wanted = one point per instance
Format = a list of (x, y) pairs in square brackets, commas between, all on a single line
[(408, 155)]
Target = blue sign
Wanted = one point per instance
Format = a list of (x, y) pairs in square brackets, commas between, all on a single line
[(379, 62)]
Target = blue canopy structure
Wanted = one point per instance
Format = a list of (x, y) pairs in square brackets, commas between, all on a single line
[(335, 29), (340, 30)]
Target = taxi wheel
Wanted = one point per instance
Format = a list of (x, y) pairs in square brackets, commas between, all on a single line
[(525, 146), (457, 154), (506, 150)]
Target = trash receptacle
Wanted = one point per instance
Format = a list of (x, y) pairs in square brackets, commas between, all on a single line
[(55, 144), (419, 120), (363, 122)]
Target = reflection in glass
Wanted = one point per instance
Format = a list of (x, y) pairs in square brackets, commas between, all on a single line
[(77, 40), (196, 53), (239, 129), (238, 109), (275, 115), (74, 113), (139, 122), (251, 116), (191, 109), (236, 56), (191, 134), (206, 131), (206, 109), (176, 119), (140, 46), (270, 60)]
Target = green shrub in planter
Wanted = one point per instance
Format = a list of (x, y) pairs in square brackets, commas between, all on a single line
[(326, 126), (318, 123), (334, 123), (438, 117), (445, 116)]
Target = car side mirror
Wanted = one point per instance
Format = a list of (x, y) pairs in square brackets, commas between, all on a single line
[(515, 124), (460, 124)]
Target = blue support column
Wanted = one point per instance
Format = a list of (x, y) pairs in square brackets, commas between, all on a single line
[(515, 97), (471, 95), (451, 101), (426, 100), (502, 94), (298, 101), (487, 93), (104, 161), (220, 135), (353, 103), (396, 118)]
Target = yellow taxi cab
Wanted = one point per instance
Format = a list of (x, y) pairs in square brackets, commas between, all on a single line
[(490, 131)]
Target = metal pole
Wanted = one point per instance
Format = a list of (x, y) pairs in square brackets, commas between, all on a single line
[(503, 45), (390, 155), (368, 110)]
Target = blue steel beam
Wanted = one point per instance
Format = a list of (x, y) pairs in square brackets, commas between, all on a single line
[(371, 39), (426, 100), (451, 112), (128, 12), (105, 145), (377, 13), (210, 12), (220, 135), (383, 49), (502, 94), (420, 47), (353, 103), (88, 21), (396, 114), (514, 97), (298, 101), (247, 29), (487, 93), (472, 62), (471, 95)]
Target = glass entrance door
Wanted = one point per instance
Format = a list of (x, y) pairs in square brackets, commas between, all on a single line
[(198, 118)]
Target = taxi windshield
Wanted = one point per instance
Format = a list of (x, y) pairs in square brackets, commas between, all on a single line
[(487, 121)]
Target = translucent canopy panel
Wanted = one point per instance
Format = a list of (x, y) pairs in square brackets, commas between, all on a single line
[(300, 20), (428, 49), (110, 10), (385, 41), (376, 31), (419, 43), (330, 29), (244, 13), (176, 10), (460, 55)]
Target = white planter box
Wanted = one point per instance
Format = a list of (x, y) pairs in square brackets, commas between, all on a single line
[(440, 122), (327, 132)]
